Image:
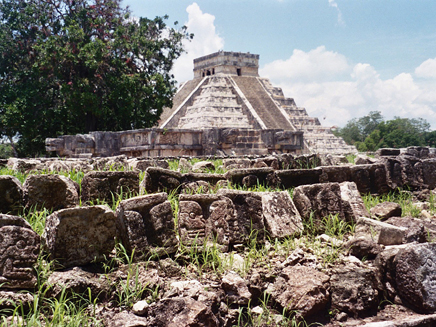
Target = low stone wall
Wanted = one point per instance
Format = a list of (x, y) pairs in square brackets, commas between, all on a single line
[(155, 142)]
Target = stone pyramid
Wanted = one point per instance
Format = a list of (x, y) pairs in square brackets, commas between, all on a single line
[(227, 92)]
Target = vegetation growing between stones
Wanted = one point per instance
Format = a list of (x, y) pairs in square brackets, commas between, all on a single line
[(203, 260)]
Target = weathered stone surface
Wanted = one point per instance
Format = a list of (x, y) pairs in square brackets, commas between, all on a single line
[(416, 228), (106, 185), (370, 178), (388, 152), (362, 159), (236, 163), (257, 176), (9, 301), (429, 172), (363, 247), (143, 164), (337, 174), (355, 290), (320, 199), (181, 312), (248, 222), (352, 203), (11, 194), (415, 275), (195, 187), (78, 281), (158, 179), (296, 177), (125, 319), (203, 166), (25, 165), (205, 293), (281, 217), (81, 235), (146, 223), (236, 288), (386, 210), (19, 246), (50, 191), (301, 288), (380, 232), (111, 163), (206, 218), (212, 179)]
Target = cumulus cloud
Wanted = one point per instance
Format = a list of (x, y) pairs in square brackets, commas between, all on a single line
[(339, 90), (427, 69), (206, 40), (332, 3), (317, 64)]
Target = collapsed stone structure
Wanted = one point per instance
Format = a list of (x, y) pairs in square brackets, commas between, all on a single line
[(384, 261), (227, 109)]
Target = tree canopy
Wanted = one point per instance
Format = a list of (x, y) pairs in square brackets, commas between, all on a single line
[(75, 66), (372, 132)]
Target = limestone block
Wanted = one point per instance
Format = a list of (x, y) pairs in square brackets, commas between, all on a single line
[(355, 290), (203, 166), (352, 203), (301, 288), (158, 179), (146, 223), (11, 194), (370, 178), (143, 164), (281, 217), (236, 163), (417, 229), (248, 222), (78, 236), (107, 185), (260, 175), (337, 174), (321, 200), (384, 152), (296, 177), (415, 274), (19, 251), (429, 172), (50, 191), (236, 289), (206, 218), (385, 210), (380, 232), (363, 247)]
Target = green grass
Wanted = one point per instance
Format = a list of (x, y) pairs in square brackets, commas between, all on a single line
[(403, 198)]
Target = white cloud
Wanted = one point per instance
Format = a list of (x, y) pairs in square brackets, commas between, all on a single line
[(338, 91), (332, 3), (206, 40), (317, 64), (427, 69)]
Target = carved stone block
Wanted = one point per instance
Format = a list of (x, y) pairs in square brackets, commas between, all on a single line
[(19, 250)]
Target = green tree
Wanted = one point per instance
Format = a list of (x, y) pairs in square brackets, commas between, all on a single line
[(74, 66), (357, 129)]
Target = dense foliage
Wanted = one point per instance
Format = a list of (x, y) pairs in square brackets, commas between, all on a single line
[(77, 66), (372, 132)]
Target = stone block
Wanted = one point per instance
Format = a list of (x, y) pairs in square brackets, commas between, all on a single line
[(53, 192), (370, 178), (380, 232), (319, 200), (386, 210), (429, 172), (81, 235), (11, 194), (206, 218), (158, 179), (19, 246), (355, 290), (295, 177), (384, 152), (300, 288), (146, 224), (415, 275), (336, 174), (108, 185), (281, 217), (352, 203), (248, 222), (259, 176)]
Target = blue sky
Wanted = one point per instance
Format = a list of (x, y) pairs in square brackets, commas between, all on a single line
[(339, 59)]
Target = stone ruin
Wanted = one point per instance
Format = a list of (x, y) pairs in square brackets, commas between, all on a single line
[(227, 109), (389, 259)]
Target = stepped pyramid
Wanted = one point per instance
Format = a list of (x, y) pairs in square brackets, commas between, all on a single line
[(227, 92)]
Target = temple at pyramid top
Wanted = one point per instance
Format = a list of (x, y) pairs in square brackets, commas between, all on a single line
[(228, 63)]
